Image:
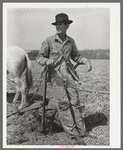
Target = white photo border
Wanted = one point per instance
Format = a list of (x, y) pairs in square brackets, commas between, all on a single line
[(115, 72)]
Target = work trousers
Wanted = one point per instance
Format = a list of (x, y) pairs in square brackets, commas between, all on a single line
[(65, 96)]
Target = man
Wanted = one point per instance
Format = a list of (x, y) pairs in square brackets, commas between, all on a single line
[(56, 52)]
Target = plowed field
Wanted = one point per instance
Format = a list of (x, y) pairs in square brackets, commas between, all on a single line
[(94, 93)]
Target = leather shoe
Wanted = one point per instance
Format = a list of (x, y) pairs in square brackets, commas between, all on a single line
[(80, 141), (90, 134)]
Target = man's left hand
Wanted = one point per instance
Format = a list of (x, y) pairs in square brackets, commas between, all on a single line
[(88, 66)]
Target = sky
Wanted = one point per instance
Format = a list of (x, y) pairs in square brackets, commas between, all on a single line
[(28, 27)]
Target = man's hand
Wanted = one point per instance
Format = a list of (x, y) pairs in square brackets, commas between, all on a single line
[(49, 62), (88, 66)]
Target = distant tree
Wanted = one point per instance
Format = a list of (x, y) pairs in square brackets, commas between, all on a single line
[(95, 54)]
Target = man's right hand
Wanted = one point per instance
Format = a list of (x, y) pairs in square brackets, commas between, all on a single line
[(49, 62)]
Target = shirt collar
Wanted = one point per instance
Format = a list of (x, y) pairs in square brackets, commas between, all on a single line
[(57, 39)]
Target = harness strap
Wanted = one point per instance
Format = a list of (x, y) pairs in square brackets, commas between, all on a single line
[(11, 80)]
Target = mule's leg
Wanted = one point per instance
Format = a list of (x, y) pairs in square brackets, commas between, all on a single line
[(17, 82), (16, 95), (23, 100), (21, 88)]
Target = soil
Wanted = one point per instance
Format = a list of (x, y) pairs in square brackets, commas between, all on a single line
[(23, 129)]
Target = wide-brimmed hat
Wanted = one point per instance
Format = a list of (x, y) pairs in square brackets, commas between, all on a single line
[(62, 18)]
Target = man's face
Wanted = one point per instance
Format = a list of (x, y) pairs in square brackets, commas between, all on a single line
[(61, 27)]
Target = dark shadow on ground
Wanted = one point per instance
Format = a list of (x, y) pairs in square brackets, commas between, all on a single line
[(95, 120)]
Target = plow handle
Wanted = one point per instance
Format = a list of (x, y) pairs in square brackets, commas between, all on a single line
[(44, 98)]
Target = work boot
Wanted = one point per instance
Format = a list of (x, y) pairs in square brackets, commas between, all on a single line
[(90, 134), (77, 139), (80, 141)]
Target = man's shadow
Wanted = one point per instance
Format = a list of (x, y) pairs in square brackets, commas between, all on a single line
[(95, 120)]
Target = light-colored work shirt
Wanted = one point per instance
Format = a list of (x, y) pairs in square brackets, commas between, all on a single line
[(53, 46)]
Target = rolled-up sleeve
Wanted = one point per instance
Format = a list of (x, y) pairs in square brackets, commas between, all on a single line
[(75, 55), (43, 53)]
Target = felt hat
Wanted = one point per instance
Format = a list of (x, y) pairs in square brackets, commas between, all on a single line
[(62, 18)]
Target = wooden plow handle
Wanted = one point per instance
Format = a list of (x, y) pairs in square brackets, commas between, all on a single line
[(44, 100)]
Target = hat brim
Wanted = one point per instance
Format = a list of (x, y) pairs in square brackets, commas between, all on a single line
[(68, 22)]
